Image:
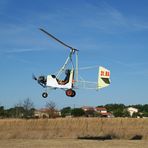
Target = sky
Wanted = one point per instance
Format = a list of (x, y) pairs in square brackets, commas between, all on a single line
[(109, 33)]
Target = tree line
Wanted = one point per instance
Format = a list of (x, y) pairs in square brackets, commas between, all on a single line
[(26, 109), (117, 110), (23, 109), (120, 110)]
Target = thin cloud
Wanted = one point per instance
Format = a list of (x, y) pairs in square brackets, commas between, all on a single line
[(131, 69), (23, 50), (108, 19), (142, 26), (105, 18)]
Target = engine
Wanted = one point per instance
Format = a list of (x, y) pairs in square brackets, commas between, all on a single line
[(42, 80)]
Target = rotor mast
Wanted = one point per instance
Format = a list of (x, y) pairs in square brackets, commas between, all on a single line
[(65, 64), (77, 66), (72, 51)]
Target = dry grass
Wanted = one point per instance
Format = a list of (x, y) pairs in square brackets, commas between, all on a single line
[(71, 143), (117, 128)]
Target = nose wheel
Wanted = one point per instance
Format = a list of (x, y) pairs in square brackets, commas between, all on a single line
[(70, 93), (44, 94)]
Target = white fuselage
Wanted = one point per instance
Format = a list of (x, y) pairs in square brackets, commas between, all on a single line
[(52, 82)]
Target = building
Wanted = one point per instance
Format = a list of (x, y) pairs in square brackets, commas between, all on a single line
[(46, 113), (101, 109), (132, 110), (107, 114), (103, 112), (87, 108), (41, 113), (89, 111)]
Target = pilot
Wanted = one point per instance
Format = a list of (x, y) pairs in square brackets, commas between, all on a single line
[(66, 80)]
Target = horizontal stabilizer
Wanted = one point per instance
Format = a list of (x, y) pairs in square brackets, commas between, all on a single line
[(103, 77)]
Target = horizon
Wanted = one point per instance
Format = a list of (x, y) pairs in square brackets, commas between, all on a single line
[(20, 104), (107, 33)]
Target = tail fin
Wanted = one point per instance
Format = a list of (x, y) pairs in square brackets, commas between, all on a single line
[(103, 77)]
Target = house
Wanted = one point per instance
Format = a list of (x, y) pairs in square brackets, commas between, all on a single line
[(87, 108), (41, 113), (103, 112), (101, 109), (107, 114), (132, 110), (46, 113), (89, 111)]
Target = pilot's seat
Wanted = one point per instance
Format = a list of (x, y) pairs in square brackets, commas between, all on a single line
[(66, 80)]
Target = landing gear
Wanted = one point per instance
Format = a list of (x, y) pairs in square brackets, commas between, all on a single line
[(44, 94), (70, 93)]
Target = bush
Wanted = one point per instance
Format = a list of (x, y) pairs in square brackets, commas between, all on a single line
[(77, 112)]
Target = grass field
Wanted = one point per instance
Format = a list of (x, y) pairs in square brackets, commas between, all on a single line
[(72, 143), (64, 133), (115, 128)]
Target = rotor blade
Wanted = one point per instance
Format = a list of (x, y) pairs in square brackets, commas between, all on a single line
[(57, 39)]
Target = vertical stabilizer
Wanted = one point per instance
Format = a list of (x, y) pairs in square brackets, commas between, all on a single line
[(103, 77)]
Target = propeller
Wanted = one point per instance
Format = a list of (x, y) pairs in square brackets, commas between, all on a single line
[(34, 77), (41, 80), (56, 39)]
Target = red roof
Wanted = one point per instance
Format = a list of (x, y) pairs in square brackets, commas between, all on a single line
[(101, 109)]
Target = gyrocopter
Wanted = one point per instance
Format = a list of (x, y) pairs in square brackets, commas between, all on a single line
[(71, 82)]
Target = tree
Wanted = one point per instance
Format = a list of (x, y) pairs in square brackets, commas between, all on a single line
[(145, 114), (113, 107), (118, 113), (126, 113), (145, 108), (90, 113), (116, 109), (51, 109), (2, 111), (28, 108), (15, 112), (96, 114), (77, 112), (66, 111)]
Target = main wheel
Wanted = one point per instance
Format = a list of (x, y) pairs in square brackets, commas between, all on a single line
[(70, 93), (44, 94), (73, 93)]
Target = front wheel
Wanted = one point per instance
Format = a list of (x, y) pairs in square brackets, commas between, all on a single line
[(44, 94)]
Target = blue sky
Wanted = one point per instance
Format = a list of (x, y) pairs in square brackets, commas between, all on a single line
[(108, 33)]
